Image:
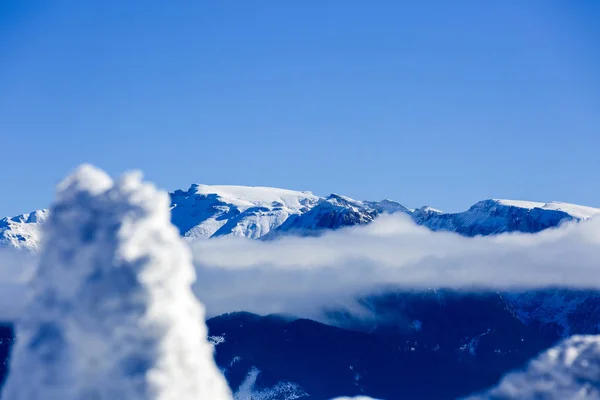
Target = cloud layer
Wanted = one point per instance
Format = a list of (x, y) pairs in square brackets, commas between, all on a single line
[(16, 269), (302, 275)]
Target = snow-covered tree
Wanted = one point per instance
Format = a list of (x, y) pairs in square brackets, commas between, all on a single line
[(111, 314)]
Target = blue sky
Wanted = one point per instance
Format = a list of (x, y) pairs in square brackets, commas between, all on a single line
[(433, 102)]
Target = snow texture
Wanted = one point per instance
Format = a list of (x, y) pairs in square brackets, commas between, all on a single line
[(112, 315), (571, 370)]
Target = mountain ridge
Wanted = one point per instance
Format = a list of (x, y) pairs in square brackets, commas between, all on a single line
[(205, 211)]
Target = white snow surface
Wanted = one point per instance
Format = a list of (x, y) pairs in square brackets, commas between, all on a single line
[(428, 209), (111, 314), (520, 203), (250, 196), (577, 211), (569, 371)]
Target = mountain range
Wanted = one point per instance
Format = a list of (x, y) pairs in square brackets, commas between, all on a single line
[(432, 344), (203, 212)]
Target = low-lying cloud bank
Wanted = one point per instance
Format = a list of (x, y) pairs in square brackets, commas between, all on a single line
[(303, 275), (300, 276)]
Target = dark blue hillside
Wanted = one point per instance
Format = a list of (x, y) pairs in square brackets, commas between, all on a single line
[(435, 344), (428, 345)]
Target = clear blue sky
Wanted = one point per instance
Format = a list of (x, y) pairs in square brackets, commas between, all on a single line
[(425, 102)]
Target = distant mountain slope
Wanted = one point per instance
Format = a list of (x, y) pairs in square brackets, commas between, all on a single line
[(331, 213), (434, 348), (208, 211), (433, 344), (489, 217)]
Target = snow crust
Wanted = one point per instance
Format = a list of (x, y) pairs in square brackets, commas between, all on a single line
[(112, 315)]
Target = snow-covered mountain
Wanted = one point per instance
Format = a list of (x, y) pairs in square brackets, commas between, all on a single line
[(22, 231), (497, 216), (209, 211), (331, 213), (205, 211)]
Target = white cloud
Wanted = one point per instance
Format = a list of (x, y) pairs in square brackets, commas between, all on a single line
[(301, 275), (16, 269)]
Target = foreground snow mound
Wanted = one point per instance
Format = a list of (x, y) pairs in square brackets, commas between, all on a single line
[(112, 315), (570, 370)]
